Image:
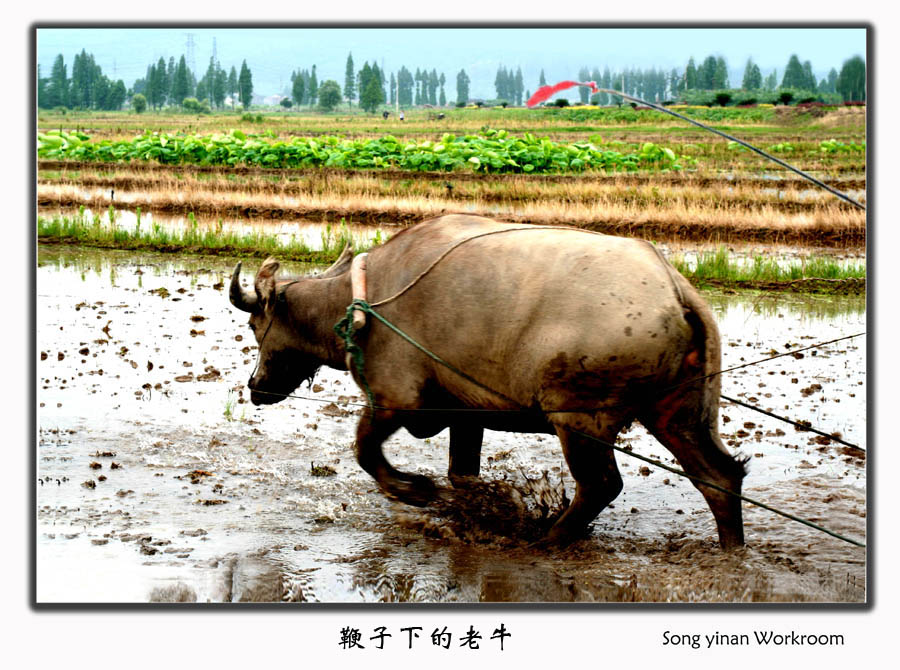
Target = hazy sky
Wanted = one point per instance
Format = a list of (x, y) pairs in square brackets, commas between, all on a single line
[(272, 54)]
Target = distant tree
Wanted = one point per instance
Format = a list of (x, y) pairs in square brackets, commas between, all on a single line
[(809, 79), (41, 89), (706, 74), (584, 92), (605, 82), (232, 85), (139, 103), (462, 87), (379, 75), (676, 83), (181, 83), (752, 76), (371, 94), (690, 76), (851, 82), (771, 81), (393, 87), (57, 91), (170, 77), (219, 87), (201, 91), (720, 74), (349, 80), (519, 87), (363, 77), (81, 86), (313, 88), (543, 80), (156, 90), (161, 87), (722, 98), (832, 81), (210, 87), (298, 88), (793, 74), (245, 85), (286, 103), (442, 100), (405, 83), (596, 76), (433, 83), (503, 84), (330, 94), (100, 91), (116, 97), (195, 106)]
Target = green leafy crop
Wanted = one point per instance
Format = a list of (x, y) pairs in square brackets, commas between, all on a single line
[(490, 151)]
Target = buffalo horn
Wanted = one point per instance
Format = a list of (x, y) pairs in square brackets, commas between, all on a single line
[(243, 300)]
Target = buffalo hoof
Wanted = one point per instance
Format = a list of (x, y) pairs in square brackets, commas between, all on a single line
[(418, 491), (463, 481), (561, 536)]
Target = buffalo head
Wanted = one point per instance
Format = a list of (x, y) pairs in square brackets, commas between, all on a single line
[(288, 353)]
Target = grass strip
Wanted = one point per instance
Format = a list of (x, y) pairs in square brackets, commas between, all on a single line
[(818, 274), (212, 240)]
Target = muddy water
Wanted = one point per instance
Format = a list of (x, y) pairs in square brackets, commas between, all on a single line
[(157, 482)]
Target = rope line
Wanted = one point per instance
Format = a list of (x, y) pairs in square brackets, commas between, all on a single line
[(469, 239), (817, 182), (762, 360), (802, 426), (700, 480)]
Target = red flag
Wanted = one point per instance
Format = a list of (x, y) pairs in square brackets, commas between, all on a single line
[(544, 92)]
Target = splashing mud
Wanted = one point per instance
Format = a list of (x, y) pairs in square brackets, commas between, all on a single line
[(199, 497)]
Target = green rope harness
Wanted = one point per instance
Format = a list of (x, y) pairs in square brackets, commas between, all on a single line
[(344, 329)]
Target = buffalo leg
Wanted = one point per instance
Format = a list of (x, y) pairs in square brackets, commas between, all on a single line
[(678, 424), (597, 481), (371, 432), (465, 451)]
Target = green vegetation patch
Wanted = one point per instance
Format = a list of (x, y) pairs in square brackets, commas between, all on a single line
[(490, 151)]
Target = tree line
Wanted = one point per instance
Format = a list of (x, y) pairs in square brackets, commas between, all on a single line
[(175, 84), (711, 74), (370, 87), (164, 84), (87, 88), (172, 83)]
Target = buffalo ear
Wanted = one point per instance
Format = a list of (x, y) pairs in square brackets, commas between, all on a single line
[(341, 265), (265, 282)]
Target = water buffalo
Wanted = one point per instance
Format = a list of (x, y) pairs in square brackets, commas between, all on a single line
[(565, 331)]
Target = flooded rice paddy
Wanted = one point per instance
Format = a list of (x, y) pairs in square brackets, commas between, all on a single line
[(156, 481)]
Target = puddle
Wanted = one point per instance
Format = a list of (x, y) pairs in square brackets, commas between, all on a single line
[(195, 495)]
